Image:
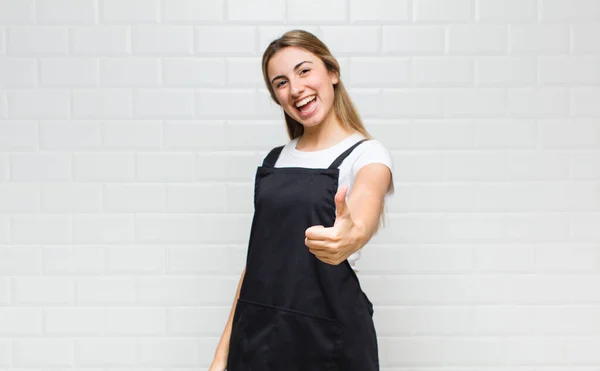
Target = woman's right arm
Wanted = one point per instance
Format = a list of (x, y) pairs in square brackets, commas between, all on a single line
[(220, 360)]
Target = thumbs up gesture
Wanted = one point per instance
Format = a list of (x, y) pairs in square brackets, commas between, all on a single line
[(335, 244)]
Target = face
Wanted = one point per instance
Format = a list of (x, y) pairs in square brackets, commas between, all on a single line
[(302, 85)]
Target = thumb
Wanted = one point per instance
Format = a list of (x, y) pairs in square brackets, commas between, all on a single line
[(341, 207)]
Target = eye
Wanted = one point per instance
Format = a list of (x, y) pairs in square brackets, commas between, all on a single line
[(304, 70), (279, 83)]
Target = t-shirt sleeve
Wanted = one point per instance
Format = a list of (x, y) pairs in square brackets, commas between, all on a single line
[(376, 153)]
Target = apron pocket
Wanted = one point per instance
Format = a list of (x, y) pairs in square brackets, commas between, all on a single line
[(302, 342), (249, 342)]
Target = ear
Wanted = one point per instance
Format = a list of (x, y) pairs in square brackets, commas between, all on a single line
[(335, 77)]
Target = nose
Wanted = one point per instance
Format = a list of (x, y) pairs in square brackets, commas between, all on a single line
[(296, 88)]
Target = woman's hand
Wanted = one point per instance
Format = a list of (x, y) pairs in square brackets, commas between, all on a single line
[(335, 244)]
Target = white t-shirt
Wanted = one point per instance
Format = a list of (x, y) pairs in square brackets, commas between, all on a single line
[(366, 153)]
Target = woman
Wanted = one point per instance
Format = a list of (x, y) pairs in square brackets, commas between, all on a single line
[(299, 305)]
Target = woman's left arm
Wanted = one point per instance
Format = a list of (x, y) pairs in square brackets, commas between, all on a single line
[(357, 219)]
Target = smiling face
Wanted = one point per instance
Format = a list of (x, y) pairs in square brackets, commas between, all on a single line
[(302, 85)]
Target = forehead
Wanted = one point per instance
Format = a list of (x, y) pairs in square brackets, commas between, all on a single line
[(286, 59)]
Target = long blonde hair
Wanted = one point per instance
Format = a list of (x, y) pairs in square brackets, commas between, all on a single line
[(342, 104)]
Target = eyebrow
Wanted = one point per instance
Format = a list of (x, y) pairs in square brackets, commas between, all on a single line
[(295, 68)]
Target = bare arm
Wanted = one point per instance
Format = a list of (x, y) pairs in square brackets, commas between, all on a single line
[(223, 348)]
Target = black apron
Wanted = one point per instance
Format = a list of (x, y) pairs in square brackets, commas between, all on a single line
[(295, 312)]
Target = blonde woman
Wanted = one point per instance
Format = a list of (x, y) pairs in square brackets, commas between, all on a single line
[(318, 200)]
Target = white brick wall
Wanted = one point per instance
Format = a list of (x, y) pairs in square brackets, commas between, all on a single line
[(129, 135)]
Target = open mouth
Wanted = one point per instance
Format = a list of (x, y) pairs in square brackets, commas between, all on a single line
[(307, 104)]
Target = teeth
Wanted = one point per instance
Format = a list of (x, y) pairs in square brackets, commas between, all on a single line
[(304, 101)]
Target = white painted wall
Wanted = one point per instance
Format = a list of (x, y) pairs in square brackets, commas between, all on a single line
[(129, 135)]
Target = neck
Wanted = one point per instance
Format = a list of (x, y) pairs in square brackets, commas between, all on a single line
[(324, 135)]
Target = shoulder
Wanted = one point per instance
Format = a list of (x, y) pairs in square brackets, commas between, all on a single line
[(369, 152)]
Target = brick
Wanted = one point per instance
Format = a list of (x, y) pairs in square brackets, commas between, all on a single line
[(442, 71), (18, 73), (71, 198), (18, 135), (505, 320), (216, 104), (222, 228), (3, 106), (40, 167), (132, 134), (506, 71), (37, 41), (105, 291), (130, 72), (584, 165), (255, 134), (186, 291), (475, 167), (16, 12), (538, 229), (103, 167), (242, 72), (567, 197), (19, 198), (136, 321), (43, 352), (46, 229), (569, 70), (412, 351), (66, 11), (584, 228), (43, 291), (102, 103), (164, 103), (474, 102), (126, 198), (103, 40), (201, 198), (200, 72), (187, 134), (443, 11), (270, 11), (226, 166), (584, 101), (165, 167), (582, 39), (536, 102), (74, 321), (539, 39), (304, 11), (69, 72), (529, 166), (506, 10), (193, 321), (193, 11), (4, 236), (139, 259), (480, 351), (20, 261), (477, 39), (21, 321), (73, 261), (106, 351), (231, 40), (198, 259), (412, 102), (166, 228), (69, 135), (162, 40), (4, 172), (575, 10), (503, 134), (569, 133), (130, 11), (430, 134), (368, 102), (169, 351), (382, 72), (38, 104), (505, 259), (355, 39), (413, 40), (105, 228), (379, 10)]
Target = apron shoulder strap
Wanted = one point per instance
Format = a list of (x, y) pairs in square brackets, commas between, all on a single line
[(338, 161), (272, 157)]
